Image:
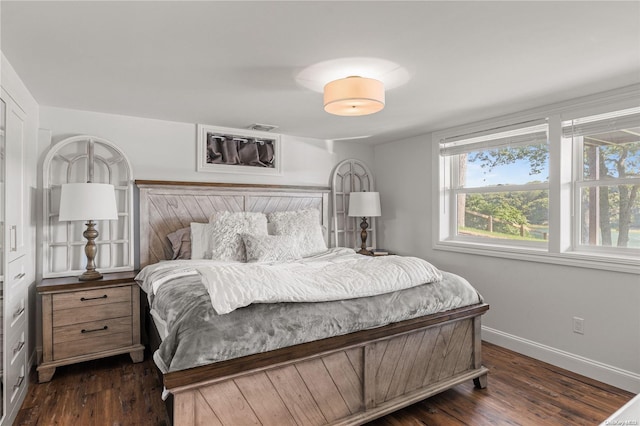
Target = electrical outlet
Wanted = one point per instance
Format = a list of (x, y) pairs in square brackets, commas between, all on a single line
[(578, 325)]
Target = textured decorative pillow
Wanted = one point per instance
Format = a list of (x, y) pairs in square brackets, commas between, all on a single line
[(304, 225), (214, 216), (226, 241), (201, 243), (271, 248), (181, 243)]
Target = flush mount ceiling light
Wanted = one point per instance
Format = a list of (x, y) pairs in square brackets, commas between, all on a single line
[(353, 96)]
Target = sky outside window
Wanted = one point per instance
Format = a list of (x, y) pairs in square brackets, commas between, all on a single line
[(517, 173)]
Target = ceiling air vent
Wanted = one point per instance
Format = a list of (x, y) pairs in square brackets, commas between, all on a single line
[(262, 127)]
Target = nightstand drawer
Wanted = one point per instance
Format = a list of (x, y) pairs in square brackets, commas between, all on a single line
[(82, 299), (64, 317), (91, 330), (89, 337)]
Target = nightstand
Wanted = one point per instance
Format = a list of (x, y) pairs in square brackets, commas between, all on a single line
[(84, 320), (382, 252), (379, 253)]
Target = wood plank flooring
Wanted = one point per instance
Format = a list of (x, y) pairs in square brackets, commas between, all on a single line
[(521, 391)]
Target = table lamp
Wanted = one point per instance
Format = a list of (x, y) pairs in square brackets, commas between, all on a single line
[(364, 204), (88, 202)]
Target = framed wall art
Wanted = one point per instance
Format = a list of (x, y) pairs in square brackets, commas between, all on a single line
[(227, 150)]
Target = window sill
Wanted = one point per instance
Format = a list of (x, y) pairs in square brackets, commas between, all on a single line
[(617, 263)]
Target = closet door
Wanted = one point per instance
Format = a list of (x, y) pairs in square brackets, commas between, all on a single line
[(2, 247), (14, 287), (15, 179)]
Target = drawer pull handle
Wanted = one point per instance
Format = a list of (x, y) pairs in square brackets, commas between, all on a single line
[(84, 299), (18, 383), (95, 329), (13, 238), (19, 276), (18, 313), (18, 348)]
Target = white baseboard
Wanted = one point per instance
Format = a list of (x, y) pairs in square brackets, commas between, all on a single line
[(613, 376)]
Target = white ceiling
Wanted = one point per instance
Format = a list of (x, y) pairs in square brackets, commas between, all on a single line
[(235, 63)]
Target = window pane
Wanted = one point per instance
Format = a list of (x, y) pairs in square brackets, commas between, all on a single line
[(612, 155), (610, 216), (504, 166), (514, 215)]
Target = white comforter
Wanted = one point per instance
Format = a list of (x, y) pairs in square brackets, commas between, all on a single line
[(336, 274)]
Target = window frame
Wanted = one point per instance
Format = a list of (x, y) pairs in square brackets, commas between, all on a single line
[(457, 190), (562, 246), (65, 163), (580, 183)]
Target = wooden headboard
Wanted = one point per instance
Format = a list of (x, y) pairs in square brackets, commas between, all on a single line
[(168, 206)]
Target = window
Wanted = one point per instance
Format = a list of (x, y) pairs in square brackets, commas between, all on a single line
[(608, 179), (500, 184), (559, 184)]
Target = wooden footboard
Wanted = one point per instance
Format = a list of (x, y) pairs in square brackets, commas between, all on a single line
[(348, 380)]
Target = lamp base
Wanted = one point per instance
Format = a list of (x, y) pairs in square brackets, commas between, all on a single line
[(90, 276), (365, 252), (91, 233), (363, 235)]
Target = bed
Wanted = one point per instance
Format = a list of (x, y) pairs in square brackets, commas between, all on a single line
[(345, 379)]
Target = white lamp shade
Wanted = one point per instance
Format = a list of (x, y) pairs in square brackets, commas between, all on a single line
[(88, 201), (353, 96), (364, 204)]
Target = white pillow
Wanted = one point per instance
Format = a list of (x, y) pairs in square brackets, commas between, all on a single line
[(304, 225), (201, 243), (226, 242), (271, 248)]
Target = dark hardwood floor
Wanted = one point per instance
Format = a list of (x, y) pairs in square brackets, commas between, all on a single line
[(521, 391)]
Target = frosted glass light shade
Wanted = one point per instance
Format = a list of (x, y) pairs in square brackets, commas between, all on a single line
[(364, 204), (88, 201), (353, 96)]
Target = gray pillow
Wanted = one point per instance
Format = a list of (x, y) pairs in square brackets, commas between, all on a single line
[(181, 243)]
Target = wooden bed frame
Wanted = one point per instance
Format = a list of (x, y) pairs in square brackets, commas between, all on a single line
[(342, 380)]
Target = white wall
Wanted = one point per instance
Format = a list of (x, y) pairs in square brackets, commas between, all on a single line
[(164, 150), (14, 86), (532, 304)]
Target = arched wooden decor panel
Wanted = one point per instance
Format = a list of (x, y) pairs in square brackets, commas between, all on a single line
[(83, 159), (349, 176)]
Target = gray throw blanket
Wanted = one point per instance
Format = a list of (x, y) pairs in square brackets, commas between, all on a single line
[(197, 336)]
